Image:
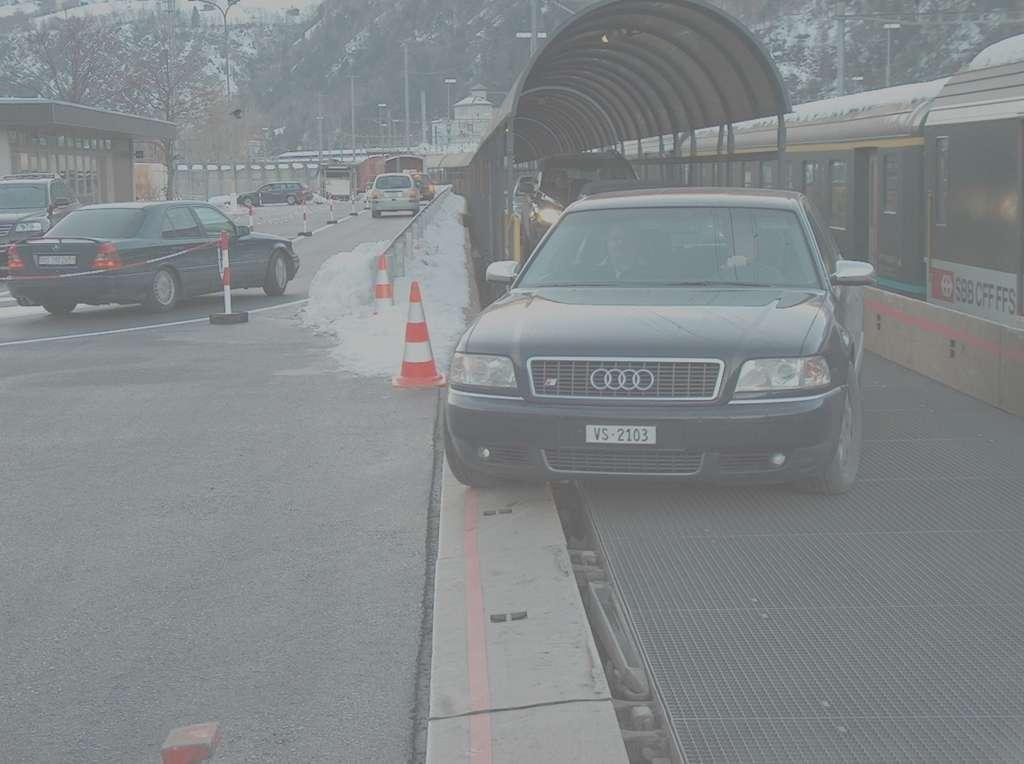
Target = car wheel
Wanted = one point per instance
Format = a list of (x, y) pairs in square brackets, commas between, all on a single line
[(841, 472), (465, 473), (276, 280), (291, 199), (164, 292), (374, 213), (59, 308)]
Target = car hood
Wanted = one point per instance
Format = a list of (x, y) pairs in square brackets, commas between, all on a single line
[(269, 237), (13, 216), (729, 324)]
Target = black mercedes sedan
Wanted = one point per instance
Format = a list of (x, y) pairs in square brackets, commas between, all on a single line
[(701, 334), (151, 253)]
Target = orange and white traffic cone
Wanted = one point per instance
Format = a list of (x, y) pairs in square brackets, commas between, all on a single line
[(418, 367), (383, 293)]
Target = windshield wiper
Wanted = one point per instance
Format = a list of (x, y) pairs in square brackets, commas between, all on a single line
[(577, 284)]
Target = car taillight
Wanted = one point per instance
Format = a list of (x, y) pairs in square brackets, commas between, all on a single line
[(107, 257), (375, 195), (414, 194), (14, 261)]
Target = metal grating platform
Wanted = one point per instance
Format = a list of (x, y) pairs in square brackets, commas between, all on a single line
[(884, 625)]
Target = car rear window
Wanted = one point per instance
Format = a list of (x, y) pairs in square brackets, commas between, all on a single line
[(392, 182), (675, 246), (22, 196), (105, 223)]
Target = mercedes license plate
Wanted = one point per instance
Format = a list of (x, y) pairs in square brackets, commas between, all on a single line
[(57, 260), (622, 435)]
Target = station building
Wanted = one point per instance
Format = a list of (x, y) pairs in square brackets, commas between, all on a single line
[(92, 149)]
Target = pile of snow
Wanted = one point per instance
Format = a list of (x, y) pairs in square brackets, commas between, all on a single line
[(1008, 51), (341, 298)]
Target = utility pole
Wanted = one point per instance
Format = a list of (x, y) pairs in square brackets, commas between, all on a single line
[(320, 119), (352, 111), (320, 150), (533, 26), (889, 28), (423, 116), (841, 45), (408, 134)]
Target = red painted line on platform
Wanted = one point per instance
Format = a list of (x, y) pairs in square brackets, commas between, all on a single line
[(934, 327), (476, 637)]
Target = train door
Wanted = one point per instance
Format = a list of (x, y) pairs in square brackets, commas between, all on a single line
[(874, 206)]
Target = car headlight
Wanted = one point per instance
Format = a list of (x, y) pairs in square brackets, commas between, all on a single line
[(482, 370), (769, 375), (30, 226), (549, 215)]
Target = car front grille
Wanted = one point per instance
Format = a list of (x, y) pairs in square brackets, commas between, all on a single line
[(676, 379), (746, 461), (509, 455), (5, 229), (614, 461)]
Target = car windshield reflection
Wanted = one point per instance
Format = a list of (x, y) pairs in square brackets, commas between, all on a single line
[(696, 246)]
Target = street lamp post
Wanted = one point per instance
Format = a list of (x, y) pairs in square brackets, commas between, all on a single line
[(224, 10), (889, 29)]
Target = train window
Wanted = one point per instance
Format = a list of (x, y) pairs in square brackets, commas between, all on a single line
[(839, 194), (941, 179), (767, 174), (790, 181), (748, 174), (892, 185), (810, 175), (736, 174)]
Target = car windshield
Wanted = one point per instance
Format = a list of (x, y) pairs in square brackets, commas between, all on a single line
[(679, 246), (393, 182), (100, 223), (22, 196)]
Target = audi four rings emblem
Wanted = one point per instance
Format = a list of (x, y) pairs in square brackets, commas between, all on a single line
[(626, 380)]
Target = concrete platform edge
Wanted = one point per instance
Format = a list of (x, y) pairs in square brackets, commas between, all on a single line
[(534, 690)]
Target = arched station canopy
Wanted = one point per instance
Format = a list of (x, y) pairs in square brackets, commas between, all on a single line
[(624, 70)]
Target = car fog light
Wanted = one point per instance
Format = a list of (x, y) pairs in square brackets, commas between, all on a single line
[(484, 453), (777, 460)]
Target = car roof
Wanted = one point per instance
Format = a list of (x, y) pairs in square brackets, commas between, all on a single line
[(26, 181), (393, 175), (690, 197), (145, 205)]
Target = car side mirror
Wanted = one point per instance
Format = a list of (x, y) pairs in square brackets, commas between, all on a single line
[(61, 202), (501, 272), (242, 230), (853, 273)]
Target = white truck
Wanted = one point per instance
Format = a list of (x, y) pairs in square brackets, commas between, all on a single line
[(336, 181)]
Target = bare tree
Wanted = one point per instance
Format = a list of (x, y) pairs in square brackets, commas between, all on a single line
[(76, 59), (170, 77)]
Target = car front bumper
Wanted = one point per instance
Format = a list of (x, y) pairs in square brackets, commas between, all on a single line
[(731, 442), (97, 289)]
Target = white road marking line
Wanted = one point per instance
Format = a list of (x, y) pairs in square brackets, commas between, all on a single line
[(302, 301)]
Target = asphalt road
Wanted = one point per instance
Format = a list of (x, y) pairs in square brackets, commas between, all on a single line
[(208, 523)]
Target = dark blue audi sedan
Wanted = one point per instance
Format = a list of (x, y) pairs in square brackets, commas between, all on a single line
[(154, 253), (673, 335)]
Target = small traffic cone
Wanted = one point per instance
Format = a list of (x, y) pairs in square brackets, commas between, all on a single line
[(418, 367), (383, 293)]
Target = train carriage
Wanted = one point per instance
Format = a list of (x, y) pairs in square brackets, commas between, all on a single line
[(974, 181), (860, 158)]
